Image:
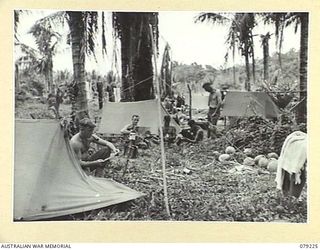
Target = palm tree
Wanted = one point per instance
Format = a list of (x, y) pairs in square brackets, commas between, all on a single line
[(25, 49), (265, 47), (76, 22), (231, 40), (282, 20), (29, 60), (278, 19), (136, 53), (166, 73), (83, 26), (46, 39), (239, 35), (136, 50)]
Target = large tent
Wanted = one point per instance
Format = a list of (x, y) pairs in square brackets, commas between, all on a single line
[(245, 104), (115, 115), (48, 180)]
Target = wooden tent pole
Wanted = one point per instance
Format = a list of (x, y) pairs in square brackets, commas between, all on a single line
[(163, 156)]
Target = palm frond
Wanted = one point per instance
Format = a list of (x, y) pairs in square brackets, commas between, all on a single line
[(44, 34), (16, 17), (116, 24), (56, 19), (91, 24), (281, 20), (214, 18), (293, 18), (27, 50)]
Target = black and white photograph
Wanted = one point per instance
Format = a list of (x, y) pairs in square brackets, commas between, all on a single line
[(197, 116)]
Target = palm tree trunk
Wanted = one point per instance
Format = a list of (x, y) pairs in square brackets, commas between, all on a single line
[(125, 93), (247, 83), (170, 80), (77, 30), (253, 69), (233, 59), (46, 76), (50, 75), (128, 37), (165, 74), (234, 74), (143, 68), (302, 110), (253, 59), (136, 55), (16, 78), (265, 44)]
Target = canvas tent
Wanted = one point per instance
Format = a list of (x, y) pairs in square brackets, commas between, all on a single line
[(247, 104), (116, 115), (199, 100), (48, 180)]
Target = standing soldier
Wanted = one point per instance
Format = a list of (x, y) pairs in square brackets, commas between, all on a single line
[(214, 103)]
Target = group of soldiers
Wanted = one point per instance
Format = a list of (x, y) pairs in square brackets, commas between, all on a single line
[(133, 139)]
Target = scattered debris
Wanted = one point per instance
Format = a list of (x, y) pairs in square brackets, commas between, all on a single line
[(200, 187)]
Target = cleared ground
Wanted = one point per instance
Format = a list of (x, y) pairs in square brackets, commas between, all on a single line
[(211, 191)]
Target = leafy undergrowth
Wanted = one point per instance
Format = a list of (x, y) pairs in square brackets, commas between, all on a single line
[(210, 192), (33, 109)]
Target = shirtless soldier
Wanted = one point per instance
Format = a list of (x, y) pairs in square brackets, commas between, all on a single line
[(80, 143)]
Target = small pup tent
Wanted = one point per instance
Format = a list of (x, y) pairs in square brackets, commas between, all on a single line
[(48, 180), (245, 104), (116, 115)]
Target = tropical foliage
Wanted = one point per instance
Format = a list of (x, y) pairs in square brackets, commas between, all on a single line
[(281, 20), (46, 39), (239, 36), (280, 80), (83, 28)]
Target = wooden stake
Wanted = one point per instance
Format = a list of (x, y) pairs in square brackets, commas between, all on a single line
[(163, 156)]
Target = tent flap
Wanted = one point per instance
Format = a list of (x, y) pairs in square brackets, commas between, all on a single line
[(198, 100), (48, 180), (115, 115)]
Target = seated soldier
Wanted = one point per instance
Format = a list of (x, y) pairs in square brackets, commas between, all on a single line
[(169, 132), (168, 105), (132, 127), (212, 131), (131, 133), (193, 135), (80, 143)]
